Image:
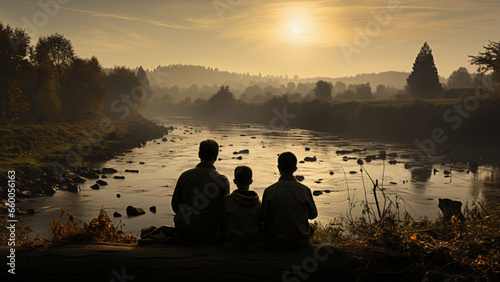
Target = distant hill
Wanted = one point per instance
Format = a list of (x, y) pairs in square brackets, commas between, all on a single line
[(185, 76)]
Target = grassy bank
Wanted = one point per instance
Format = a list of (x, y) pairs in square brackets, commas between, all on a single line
[(32, 149)]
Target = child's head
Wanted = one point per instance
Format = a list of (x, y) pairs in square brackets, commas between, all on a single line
[(243, 177)]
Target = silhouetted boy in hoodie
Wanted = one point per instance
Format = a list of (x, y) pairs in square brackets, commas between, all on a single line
[(241, 218)]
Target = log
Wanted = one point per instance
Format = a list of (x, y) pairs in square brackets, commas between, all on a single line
[(161, 262)]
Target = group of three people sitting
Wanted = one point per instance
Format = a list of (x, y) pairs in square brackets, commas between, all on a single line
[(205, 211)]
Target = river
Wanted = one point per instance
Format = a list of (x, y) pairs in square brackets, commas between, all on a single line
[(415, 190)]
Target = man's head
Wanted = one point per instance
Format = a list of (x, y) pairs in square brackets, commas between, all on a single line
[(287, 163), (209, 150), (243, 177)]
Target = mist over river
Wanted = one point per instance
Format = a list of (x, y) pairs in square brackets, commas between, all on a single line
[(416, 189)]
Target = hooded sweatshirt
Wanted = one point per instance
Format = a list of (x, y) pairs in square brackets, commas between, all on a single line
[(241, 218)]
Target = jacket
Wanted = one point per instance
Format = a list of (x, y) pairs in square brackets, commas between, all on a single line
[(286, 207), (197, 201)]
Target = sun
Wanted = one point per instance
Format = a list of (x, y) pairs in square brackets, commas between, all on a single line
[(297, 30), (298, 25)]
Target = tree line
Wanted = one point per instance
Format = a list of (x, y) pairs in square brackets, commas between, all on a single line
[(47, 81)]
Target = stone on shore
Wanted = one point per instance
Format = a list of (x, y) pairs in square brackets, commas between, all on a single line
[(109, 170), (102, 182), (72, 187)]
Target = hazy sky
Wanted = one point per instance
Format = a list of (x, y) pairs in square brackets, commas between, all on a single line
[(308, 38)]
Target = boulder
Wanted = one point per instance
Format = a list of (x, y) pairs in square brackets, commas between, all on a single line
[(118, 177), (331, 172), (102, 182), (310, 159), (109, 170), (360, 162), (116, 214), (239, 158), (450, 208), (353, 172), (132, 170), (158, 233), (308, 149), (95, 186), (133, 211), (327, 191), (79, 179), (90, 175), (118, 195), (72, 187), (246, 151), (317, 193), (299, 178), (48, 189), (393, 162), (164, 139), (152, 209), (141, 162), (104, 176)]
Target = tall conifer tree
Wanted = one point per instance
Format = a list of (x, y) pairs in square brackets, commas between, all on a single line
[(423, 82)]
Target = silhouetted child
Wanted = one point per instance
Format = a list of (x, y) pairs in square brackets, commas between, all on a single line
[(241, 219)]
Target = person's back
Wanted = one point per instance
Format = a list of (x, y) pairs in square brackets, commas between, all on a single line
[(241, 218), (198, 197), (286, 206)]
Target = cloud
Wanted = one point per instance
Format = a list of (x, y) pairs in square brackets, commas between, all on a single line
[(332, 23)]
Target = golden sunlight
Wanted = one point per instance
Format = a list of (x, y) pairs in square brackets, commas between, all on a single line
[(298, 25)]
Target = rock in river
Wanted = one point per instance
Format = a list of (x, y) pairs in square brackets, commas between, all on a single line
[(79, 179), (132, 170), (102, 182), (152, 209), (310, 159), (72, 187), (116, 214), (317, 193), (132, 211), (95, 186), (109, 170), (299, 178), (119, 177)]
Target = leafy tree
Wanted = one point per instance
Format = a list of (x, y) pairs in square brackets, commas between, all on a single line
[(364, 91), (14, 46), (42, 89), (340, 87), (60, 52), (143, 79), (489, 61), (125, 93), (290, 87), (222, 97), (323, 90), (460, 78), (86, 89), (423, 82)]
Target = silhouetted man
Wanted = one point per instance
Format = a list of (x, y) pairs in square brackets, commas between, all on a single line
[(197, 198), (286, 207)]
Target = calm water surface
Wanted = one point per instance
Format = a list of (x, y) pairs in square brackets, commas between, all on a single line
[(165, 161)]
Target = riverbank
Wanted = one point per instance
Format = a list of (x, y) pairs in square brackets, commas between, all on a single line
[(47, 156), (381, 249)]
